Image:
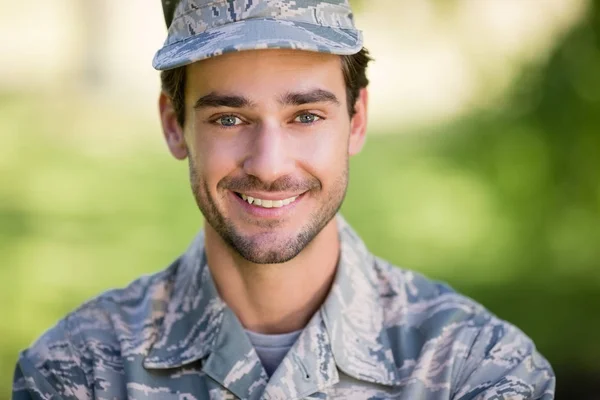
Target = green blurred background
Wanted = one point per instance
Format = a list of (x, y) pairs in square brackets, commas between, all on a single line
[(496, 191)]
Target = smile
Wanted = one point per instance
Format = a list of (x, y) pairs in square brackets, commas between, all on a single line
[(267, 203)]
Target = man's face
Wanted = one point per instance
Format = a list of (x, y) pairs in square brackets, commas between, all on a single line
[(268, 136)]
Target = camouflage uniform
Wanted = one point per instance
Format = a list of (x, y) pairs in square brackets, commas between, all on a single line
[(382, 333)]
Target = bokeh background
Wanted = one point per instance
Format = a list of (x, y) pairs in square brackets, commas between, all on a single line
[(481, 168)]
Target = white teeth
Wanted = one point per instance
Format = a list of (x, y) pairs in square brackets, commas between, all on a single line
[(268, 203)]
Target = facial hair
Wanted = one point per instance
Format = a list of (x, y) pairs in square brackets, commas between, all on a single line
[(264, 250)]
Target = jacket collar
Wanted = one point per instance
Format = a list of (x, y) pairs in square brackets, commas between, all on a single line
[(194, 314), (349, 328), (354, 316)]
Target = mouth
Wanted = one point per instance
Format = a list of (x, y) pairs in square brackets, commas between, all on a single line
[(267, 203)]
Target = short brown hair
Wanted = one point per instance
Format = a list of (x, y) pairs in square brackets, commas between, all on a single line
[(354, 68)]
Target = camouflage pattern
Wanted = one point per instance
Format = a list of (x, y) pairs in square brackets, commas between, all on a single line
[(382, 333), (206, 28)]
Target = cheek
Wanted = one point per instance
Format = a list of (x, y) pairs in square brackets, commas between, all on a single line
[(326, 156), (215, 157)]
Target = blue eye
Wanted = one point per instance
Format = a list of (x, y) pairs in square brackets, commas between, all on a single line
[(307, 118), (228, 120)]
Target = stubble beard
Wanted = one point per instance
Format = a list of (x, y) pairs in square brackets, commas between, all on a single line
[(262, 249)]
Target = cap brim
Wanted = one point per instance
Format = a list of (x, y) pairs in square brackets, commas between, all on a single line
[(254, 34)]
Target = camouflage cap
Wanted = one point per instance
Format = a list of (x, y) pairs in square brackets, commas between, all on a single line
[(199, 29)]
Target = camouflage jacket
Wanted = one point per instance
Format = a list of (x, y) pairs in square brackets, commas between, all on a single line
[(382, 333)]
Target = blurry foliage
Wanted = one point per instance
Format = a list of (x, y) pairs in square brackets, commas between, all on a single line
[(503, 205)]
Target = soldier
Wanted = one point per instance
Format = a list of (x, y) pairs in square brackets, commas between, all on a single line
[(277, 298)]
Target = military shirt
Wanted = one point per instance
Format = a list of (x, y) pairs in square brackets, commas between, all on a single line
[(382, 333)]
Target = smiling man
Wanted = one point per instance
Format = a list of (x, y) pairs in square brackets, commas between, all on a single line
[(277, 298)]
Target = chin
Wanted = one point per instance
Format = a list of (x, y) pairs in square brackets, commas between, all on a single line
[(270, 248), (272, 255)]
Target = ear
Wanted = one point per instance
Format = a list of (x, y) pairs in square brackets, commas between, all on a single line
[(358, 124), (172, 131)]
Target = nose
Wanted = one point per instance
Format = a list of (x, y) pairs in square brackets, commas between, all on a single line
[(269, 154)]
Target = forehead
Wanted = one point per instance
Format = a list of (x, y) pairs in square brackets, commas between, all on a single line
[(264, 71)]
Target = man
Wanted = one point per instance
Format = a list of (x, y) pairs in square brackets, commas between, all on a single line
[(277, 298)]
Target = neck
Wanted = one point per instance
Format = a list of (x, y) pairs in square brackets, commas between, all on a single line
[(274, 298)]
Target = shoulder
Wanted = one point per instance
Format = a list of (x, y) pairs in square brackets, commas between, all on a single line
[(428, 317), (411, 298), (471, 349), (121, 313), (98, 334), (125, 312), (413, 302)]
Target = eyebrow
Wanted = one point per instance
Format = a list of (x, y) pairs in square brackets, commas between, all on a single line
[(221, 100), (312, 96), (213, 100)]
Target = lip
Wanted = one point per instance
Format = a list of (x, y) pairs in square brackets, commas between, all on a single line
[(262, 212)]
